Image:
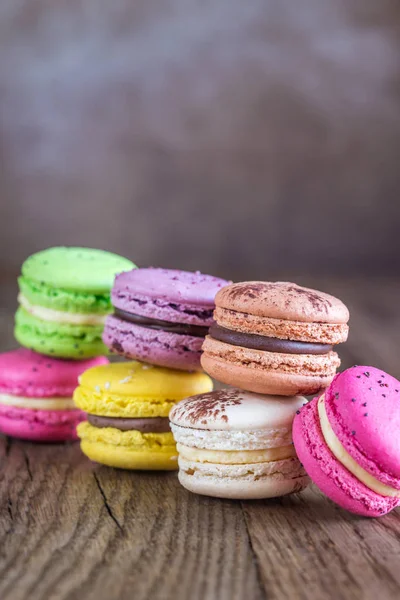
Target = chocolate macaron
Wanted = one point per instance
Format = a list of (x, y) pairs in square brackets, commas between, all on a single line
[(275, 338)]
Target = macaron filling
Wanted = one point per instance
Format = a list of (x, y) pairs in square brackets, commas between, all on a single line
[(266, 343), (58, 316), (144, 425), (37, 403), (235, 457), (158, 324), (348, 461)]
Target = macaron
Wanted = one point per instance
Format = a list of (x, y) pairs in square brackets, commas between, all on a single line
[(161, 316), (234, 444), (64, 299), (349, 441), (127, 406), (36, 395), (275, 338)]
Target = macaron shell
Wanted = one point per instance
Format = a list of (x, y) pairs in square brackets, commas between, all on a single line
[(27, 373), (156, 347), (40, 425), (125, 458), (38, 293), (128, 449), (77, 269), (171, 285), (329, 474), (282, 300), (264, 381), (133, 379), (58, 340), (236, 410), (363, 408), (250, 487)]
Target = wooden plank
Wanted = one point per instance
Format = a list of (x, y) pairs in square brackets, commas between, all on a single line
[(308, 548), (69, 529)]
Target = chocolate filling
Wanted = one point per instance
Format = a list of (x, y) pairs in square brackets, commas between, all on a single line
[(269, 344), (180, 328), (145, 425)]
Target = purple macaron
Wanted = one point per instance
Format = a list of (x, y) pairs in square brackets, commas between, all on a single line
[(161, 316)]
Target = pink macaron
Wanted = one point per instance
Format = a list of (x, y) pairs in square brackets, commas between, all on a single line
[(348, 440), (36, 395), (161, 316)]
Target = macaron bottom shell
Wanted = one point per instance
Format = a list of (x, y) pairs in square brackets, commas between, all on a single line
[(58, 340), (161, 348), (263, 381), (243, 482), (330, 476), (40, 425), (128, 450)]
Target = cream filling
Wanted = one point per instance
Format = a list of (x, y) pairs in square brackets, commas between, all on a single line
[(37, 403), (235, 457), (348, 461), (58, 316)]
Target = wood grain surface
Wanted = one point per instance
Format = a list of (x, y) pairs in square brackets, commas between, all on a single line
[(72, 530)]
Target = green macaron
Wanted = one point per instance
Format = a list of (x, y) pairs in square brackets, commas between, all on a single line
[(64, 299)]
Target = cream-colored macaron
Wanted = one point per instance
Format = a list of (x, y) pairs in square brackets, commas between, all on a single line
[(235, 444)]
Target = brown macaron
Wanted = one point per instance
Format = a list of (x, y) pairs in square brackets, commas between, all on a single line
[(275, 338)]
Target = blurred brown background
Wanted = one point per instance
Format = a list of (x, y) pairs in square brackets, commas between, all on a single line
[(246, 139)]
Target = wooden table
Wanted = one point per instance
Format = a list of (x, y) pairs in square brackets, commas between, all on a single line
[(74, 530)]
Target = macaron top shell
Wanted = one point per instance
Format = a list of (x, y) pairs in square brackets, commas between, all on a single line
[(282, 300), (75, 269), (234, 409), (363, 408), (172, 285), (167, 294), (26, 373), (145, 381)]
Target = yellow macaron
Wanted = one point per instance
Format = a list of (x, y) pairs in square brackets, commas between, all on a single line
[(127, 406)]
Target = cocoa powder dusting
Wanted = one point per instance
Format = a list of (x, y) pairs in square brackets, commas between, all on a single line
[(203, 407)]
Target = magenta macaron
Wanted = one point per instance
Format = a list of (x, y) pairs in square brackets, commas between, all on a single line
[(36, 395), (348, 440), (161, 316)]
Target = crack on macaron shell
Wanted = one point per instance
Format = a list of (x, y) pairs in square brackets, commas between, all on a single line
[(303, 364), (42, 294), (350, 441), (164, 310), (309, 441), (314, 332)]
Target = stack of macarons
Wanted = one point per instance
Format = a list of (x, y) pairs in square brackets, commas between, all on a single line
[(160, 318), (36, 395), (64, 298), (274, 340), (127, 406)]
